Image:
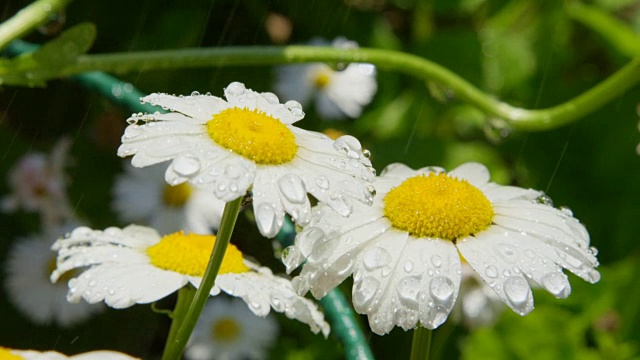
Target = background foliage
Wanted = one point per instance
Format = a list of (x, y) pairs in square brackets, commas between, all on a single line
[(532, 54)]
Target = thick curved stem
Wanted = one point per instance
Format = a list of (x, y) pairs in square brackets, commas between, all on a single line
[(28, 18)]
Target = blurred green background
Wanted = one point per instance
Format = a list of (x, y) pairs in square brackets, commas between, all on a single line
[(532, 54)]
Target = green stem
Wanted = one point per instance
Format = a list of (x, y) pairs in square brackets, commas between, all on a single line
[(518, 118), (176, 346), (421, 344), (185, 297), (37, 13)]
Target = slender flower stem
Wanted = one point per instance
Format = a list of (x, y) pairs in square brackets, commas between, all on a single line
[(185, 297), (518, 118), (28, 18), (186, 324), (421, 344)]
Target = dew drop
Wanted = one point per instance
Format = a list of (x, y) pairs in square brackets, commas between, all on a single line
[(508, 252), (364, 292), (234, 89), (491, 271), (132, 131), (266, 220), (442, 289), (518, 294), (348, 145), (291, 258), (322, 182), (366, 153), (408, 266), (271, 98), (195, 93), (186, 166), (375, 258), (295, 108), (436, 260), (437, 316), (308, 238), (556, 283), (545, 200), (293, 189), (409, 290)]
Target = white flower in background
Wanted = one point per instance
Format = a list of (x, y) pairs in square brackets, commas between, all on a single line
[(404, 251), (227, 330), (478, 305), (248, 142), (142, 195), (135, 265), (29, 264), (14, 354), (337, 93), (38, 184)]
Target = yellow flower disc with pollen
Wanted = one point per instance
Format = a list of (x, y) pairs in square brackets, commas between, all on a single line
[(254, 135), (438, 206), (6, 355), (176, 196), (225, 330), (321, 80), (189, 254)]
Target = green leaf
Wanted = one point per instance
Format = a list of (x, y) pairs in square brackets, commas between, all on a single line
[(38, 67)]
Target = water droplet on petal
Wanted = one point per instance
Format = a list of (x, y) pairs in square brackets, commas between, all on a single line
[(557, 284), (292, 258), (322, 182), (442, 289), (267, 220), (366, 153), (545, 200), (408, 266), (271, 98), (437, 316), (195, 93), (518, 294), (409, 290), (132, 131), (348, 145), (375, 258), (436, 260), (295, 108), (566, 210), (234, 89), (292, 187), (186, 166), (364, 291), (308, 239), (491, 271), (508, 252)]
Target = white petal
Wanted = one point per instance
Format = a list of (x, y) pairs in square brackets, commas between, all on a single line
[(201, 107), (267, 206), (476, 174)]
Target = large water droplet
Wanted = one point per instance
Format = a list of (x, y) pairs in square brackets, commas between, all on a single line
[(544, 199), (409, 290), (235, 89), (186, 166), (556, 283), (375, 258), (293, 188), (322, 182), (308, 238), (348, 145), (364, 292), (291, 258), (437, 316), (295, 108), (442, 289), (491, 271), (518, 294), (271, 98), (436, 260), (266, 220)]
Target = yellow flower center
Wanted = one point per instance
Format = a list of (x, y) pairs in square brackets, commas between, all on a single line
[(438, 206), (6, 355), (189, 254), (225, 330), (176, 196), (254, 135), (321, 80)]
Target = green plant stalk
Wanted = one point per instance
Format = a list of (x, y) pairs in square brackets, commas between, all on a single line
[(517, 118), (178, 340), (421, 344), (185, 297), (36, 14)]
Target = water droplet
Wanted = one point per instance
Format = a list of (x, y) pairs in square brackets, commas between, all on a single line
[(508, 252), (409, 290), (295, 108), (364, 292), (233, 171), (544, 199), (271, 98), (266, 220), (375, 258), (92, 283), (437, 316), (348, 145), (308, 238), (436, 260), (322, 182), (408, 266), (234, 89), (593, 250), (366, 153), (491, 271), (518, 294), (566, 210), (442, 289), (185, 166), (291, 258), (132, 131), (556, 283), (292, 187), (195, 93)]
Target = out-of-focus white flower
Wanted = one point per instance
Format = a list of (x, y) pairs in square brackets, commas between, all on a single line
[(227, 330), (337, 93), (478, 305), (404, 250), (248, 141), (14, 354), (38, 184), (29, 264), (142, 196), (135, 265)]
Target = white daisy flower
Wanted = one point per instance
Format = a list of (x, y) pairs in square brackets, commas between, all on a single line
[(248, 142), (227, 330), (142, 196), (478, 305), (29, 264), (38, 184), (135, 265), (404, 251), (337, 93), (13, 354)]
